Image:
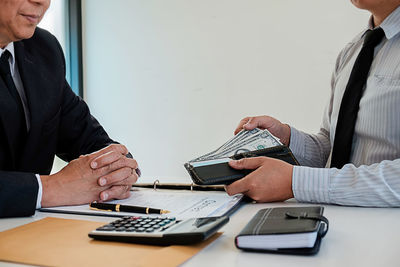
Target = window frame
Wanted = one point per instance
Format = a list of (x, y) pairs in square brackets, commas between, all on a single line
[(75, 46)]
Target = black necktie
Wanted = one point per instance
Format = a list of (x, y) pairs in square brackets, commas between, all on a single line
[(351, 99), (20, 123)]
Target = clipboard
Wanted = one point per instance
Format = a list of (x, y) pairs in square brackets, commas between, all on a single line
[(179, 186), (183, 204)]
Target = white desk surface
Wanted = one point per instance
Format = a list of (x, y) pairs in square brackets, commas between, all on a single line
[(357, 237)]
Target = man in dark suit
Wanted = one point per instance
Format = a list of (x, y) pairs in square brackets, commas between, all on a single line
[(41, 117)]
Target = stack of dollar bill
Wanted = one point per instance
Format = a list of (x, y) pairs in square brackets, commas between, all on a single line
[(244, 141)]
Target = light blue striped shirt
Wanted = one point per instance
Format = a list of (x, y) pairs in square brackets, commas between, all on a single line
[(372, 178)]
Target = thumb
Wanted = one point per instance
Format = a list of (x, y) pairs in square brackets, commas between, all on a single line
[(247, 163), (251, 124)]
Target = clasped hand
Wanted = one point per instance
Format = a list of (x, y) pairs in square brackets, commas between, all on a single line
[(103, 175)]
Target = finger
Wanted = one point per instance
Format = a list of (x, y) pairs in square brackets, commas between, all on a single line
[(253, 122), (117, 176), (262, 122), (115, 192), (127, 181), (240, 126), (247, 163), (105, 159), (239, 186), (122, 162), (121, 149)]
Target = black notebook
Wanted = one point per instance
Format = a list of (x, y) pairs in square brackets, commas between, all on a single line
[(291, 230)]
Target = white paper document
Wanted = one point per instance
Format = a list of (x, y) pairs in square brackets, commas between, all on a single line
[(181, 203)]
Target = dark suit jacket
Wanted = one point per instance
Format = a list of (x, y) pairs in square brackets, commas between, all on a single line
[(61, 124)]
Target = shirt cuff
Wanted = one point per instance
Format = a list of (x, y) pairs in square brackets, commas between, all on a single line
[(40, 192), (311, 184), (296, 144)]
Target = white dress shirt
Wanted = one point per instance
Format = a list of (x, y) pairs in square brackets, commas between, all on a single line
[(20, 88), (372, 178)]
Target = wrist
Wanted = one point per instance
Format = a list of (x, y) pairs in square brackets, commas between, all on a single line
[(291, 182), (286, 134), (50, 189)]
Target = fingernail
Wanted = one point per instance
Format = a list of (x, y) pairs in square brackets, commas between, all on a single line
[(93, 164), (103, 181), (104, 196)]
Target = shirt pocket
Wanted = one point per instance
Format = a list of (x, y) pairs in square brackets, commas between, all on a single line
[(387, 82)]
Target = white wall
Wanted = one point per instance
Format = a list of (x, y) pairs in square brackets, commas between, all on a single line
[(171, 79), (55, 22)]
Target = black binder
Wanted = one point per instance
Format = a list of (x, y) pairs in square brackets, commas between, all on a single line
[(222, 173), (288, 230)]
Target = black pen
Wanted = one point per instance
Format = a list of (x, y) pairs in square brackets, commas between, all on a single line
[(124, 208), (177, 186)]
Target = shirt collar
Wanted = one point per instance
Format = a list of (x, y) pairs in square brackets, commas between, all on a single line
[(391, 25), (10, 48)]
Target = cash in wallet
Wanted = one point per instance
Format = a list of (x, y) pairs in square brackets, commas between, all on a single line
[(213, 168)]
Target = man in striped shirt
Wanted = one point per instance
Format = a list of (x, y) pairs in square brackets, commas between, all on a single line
[(372, 175)]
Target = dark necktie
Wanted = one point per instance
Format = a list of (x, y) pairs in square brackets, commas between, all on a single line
[(351, 99), (20, 123)]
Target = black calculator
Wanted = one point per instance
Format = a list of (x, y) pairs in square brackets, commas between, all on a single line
[(159, 230)]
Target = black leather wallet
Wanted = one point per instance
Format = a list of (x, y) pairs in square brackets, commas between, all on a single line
[(222, 173)]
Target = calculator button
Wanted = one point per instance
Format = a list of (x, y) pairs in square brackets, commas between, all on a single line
[(140, 229), (120, 229), (149, 230)]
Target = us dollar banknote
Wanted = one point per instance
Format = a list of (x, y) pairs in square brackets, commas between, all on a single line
[(252, 140)]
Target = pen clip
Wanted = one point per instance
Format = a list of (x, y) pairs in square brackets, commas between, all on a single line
[(97, 209), (93, 208)]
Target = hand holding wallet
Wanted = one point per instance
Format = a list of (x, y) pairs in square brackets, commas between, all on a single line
[(218, 171)]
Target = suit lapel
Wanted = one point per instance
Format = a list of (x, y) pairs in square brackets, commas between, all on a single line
[(8, 109), (35, 87), (29, 76), (39, 84)]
